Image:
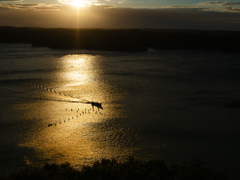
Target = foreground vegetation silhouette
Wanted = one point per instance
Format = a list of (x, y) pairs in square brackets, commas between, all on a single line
[(122, 39), (112, 170)]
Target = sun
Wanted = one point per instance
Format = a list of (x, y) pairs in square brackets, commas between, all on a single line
[(78, 3)]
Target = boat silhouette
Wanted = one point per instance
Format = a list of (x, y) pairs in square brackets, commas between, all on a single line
[(96, 104)]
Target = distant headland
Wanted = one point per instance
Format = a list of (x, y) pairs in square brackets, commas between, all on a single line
[(136, 40)]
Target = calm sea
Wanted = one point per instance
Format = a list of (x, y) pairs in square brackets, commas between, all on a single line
[(167, 105)]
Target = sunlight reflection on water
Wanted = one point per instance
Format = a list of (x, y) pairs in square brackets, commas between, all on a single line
[(156, 105), (75, 135)]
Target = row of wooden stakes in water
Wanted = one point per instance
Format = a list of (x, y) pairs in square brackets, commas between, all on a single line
[(83, 112)]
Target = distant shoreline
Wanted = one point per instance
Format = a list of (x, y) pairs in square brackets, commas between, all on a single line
[(133, 40)]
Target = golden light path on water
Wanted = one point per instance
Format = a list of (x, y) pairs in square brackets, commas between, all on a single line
[(78, 134)]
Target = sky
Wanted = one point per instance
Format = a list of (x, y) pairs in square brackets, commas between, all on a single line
[(156, 14)]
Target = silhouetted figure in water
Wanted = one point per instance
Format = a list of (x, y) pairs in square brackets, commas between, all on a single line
[(50, 125), (98, 105)]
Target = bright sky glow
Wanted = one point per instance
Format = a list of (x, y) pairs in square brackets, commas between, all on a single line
[(78, 3), (226, 6), (186, 14)]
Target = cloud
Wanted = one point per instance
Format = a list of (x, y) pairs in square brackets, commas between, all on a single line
[(29, 6), (233, 7), (114, 1), (230, 9), (211, 3), (220, 3), (185, 7), (215, 6), (231, 4), (102, 6)]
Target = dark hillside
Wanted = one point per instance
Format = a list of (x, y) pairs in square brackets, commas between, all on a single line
[(113, 170), (122, 39)]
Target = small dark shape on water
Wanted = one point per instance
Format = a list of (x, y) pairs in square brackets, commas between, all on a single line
[(98, 105)]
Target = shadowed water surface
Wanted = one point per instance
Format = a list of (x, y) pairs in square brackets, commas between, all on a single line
[(166, 105)]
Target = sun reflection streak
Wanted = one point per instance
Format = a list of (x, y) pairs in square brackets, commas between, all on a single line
[(75, 66)]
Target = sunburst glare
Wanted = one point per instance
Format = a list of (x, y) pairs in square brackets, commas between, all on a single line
[(78, 3)]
